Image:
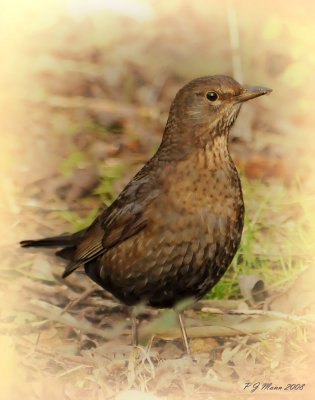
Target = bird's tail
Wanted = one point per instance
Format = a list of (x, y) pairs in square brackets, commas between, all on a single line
[(54, 241), (67, 242)]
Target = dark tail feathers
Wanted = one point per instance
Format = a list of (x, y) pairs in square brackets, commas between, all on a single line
[(68, 243), (55, 241)]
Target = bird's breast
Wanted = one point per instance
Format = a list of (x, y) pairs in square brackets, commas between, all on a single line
[(205, 184)]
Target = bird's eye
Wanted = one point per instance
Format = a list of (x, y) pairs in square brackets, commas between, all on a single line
[(212, 96)]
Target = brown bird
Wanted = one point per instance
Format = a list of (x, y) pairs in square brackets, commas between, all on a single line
[(173, 231)]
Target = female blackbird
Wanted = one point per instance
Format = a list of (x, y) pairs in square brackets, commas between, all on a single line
[(175, 228)]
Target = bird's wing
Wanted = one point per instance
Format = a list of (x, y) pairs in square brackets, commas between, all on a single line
[(124, 218)]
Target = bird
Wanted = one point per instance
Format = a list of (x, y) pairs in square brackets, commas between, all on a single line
[(172, 232)]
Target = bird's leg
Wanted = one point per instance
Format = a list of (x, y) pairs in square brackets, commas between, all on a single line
[(134, 327), (184, 333), (134, 330)]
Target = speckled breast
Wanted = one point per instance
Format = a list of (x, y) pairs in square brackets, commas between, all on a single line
[(193, 234)]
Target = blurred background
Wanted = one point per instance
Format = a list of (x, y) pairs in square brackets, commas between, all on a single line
[(85, 91)]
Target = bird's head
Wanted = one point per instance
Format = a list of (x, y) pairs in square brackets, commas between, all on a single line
[(208, 106)]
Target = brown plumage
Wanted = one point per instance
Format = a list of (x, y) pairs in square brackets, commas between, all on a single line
[(175, 228)]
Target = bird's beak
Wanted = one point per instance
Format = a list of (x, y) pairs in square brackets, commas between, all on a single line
[(250, 92)]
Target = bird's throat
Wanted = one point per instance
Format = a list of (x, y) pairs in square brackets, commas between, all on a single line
[(217, 154)]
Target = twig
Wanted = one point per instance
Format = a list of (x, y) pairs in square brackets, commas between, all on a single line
[(112, 107), (219, 304), (245, 328), (234, 41), (272, 314)]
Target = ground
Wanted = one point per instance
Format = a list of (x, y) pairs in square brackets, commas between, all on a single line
[(86, 99)]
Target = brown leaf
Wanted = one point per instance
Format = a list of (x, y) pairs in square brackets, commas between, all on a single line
[(259, 166), (199, 345)]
